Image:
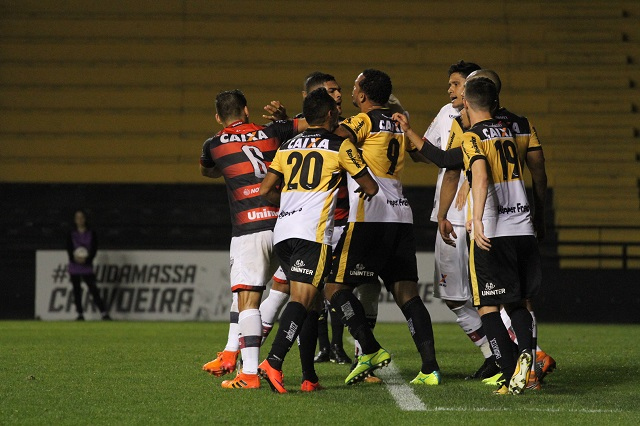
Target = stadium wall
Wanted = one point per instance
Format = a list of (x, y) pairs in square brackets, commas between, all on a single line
[(195, 217)]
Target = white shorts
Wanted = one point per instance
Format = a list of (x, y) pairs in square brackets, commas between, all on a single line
[(279, 276), (252, 261), (451, 278)]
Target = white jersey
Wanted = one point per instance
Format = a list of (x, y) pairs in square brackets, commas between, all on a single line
[(438, 135)]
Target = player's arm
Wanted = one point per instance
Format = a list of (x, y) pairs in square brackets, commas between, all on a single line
[(210, 172), (345, 132), (451, 158), (270, 187), (275, 111), (535, 164), (479, 189), (351, 160), (448, 190)]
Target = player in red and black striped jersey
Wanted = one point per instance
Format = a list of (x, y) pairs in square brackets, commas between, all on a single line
[(242, 153)]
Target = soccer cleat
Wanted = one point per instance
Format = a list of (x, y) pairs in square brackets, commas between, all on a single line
[(520, 377), (323, 355), (533, 382), (432, 379), (495, 380), (367, 364), (309, 386), (242, 381), (338, 355), (502, 390), (544, 364), (224, 363), (274, 377), (488, 369)]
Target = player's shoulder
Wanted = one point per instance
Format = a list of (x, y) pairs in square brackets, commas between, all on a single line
[(518, 123), (314, 139), (447, 112)]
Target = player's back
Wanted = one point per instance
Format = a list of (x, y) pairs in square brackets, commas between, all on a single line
[(383, 147), (507, 210), (525, 134), (243, 152)]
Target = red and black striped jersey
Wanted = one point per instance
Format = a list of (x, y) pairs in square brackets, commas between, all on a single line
[(243, 153)]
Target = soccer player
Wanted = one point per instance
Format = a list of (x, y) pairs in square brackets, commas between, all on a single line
[(303, 178), (504, 259), (379, 239), (530, 153), (451, 277), (241, 153)]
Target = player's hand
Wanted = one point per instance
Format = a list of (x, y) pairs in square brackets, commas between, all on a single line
[(276, 111), (402, 121), (539, 228), (481, 240), (467, 226), (364, 195), (446, 232), (461, 197)]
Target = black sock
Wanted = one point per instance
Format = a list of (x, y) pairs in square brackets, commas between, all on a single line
[(307, 345), (337, 327), (290, 324), (501, 344), (522, 324), (323, 329), (352, 315), (419, 322)]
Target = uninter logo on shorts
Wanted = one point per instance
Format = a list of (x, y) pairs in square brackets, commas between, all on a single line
[(359, 271), (490, 290), (298, 266)]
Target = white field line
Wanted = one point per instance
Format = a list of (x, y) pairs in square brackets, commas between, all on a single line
[(407, 400), (399, 390)]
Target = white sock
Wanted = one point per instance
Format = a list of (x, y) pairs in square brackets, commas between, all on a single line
[(270, 309), (232, 339), (250, 338), (469, 321)]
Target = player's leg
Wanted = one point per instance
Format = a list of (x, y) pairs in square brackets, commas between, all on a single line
[(368, 294), (76, 282), (225, 361), (307, 346), (304, 289), (451, 279), (273, 303), (251, 269), (324, 350)]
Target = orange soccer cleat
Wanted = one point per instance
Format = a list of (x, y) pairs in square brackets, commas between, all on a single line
[(309, 386), (243, 381), (544, 364), (274, 377), (224, 363)]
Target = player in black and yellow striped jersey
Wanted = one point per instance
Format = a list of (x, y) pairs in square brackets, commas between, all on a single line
[(303, 179), (379, 239), (504, 260)]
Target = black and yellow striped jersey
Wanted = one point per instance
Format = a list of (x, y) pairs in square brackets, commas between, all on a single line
[(383, 146), (507, 210), (311, 166)]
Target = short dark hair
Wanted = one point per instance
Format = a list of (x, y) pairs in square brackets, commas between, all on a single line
[(376, 85), (316, 79), (463, 68), (317, 105), (230, 103), (481, 93)]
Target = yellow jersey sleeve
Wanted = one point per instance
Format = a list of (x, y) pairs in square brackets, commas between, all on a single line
[(455, 135), (359, 126), (350, 159)]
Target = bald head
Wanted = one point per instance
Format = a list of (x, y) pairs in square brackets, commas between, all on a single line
[(490, 74)]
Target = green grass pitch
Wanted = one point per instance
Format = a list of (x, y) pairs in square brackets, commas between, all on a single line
[(111, 373)]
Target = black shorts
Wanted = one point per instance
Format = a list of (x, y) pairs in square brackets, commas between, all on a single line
[(509, 272), (370, 250), (304, 261)]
